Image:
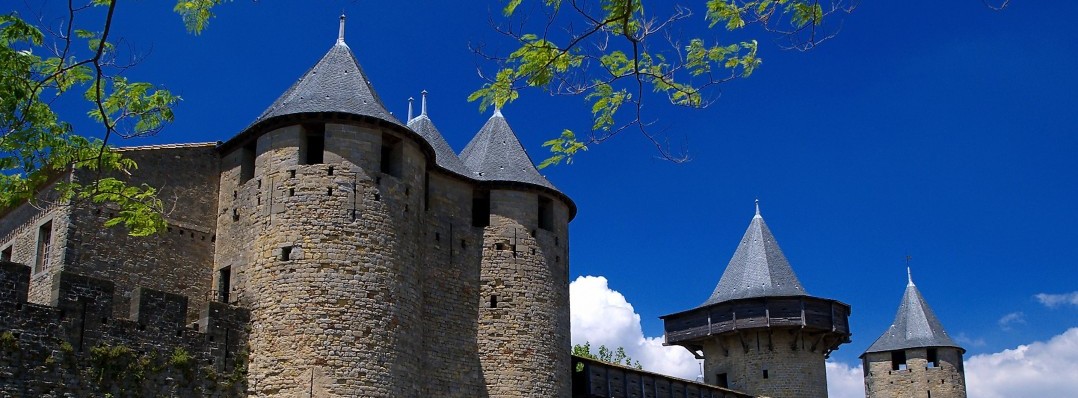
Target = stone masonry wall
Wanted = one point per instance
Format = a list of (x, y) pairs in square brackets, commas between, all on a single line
[(919, 379), (744, 357), (179, 259), (77, 346), (524, 343), (450, 271), (20, 235), (332, 269)]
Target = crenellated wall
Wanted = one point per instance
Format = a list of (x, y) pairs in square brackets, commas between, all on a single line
[(77, 345)]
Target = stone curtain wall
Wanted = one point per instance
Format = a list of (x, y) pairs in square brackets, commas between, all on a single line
[(77, 347), (179, 259), (744, 357), (451, 251), (918, 379)]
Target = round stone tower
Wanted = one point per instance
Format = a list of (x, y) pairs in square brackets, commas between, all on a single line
[(915, 357), (318, 236), (523, 331), (760, 332)]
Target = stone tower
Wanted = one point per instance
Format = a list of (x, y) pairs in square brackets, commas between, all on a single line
[(915, 357), (318, 235), (376, 262), (760, 332), (524, 277)]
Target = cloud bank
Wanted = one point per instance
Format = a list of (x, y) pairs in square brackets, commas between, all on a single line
[(603, 316), (1055, 300)]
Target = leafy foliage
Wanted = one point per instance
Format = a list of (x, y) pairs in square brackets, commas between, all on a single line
[(39, 149), (615, 54), (617, 356)]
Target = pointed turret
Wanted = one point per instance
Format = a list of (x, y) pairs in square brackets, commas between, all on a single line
[(914, 354), (758, 268), (336, 83), (444, 155), (760, 332), (915, 325), (495, 154)]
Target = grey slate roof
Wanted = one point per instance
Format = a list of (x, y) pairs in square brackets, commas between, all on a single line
[(495, 154), (335, 84), (915, 326), (443, 153), (758, 268)]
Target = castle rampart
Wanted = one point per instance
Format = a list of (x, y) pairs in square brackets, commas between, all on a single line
[(77, 346)]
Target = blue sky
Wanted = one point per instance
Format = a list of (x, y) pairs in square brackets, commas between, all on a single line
[(940, 130)]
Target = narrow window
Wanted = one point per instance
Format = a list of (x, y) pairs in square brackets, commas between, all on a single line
[(765, 373), (546, 214), (247, 162), (494, 301), (6, 254), (286, 253), (291, 191), (898, 360), (391, 155), (722, 381), (329, 191), (329, 171), (44, 246), (224, 283), (933, 358), (480, 209), (312, 144)]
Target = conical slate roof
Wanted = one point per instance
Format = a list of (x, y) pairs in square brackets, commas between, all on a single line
[(495, 154), (915, 326), (335, 84), (443, 153), (758, 268)]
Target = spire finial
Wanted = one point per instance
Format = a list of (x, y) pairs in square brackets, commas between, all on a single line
[(423, 105), (758, 208), (909, 275), (340, 33), (410, 100), (497, 111)]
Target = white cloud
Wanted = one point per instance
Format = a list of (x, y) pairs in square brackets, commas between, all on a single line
[(1011, 319), (845, 381), (1055, 300), (967, 341), (1040, 369), (602, 316)]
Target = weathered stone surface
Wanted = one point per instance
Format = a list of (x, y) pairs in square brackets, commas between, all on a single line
[(919, 378)]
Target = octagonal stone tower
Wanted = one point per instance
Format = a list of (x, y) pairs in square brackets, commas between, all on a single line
[(915, 357), (760, 332)]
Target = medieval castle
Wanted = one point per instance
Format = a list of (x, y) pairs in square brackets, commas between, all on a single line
[(330, 249)]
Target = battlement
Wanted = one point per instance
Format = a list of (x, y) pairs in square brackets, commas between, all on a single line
[(78, 337)]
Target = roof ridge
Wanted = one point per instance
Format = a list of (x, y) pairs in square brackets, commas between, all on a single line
[(168, 146)]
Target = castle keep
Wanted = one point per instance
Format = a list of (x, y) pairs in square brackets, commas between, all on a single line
[(332, 250)]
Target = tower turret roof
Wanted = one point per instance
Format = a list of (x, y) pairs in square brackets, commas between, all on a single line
[(758, 268), (336, 83), (443, 153), (495, 154), (915, 326)]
